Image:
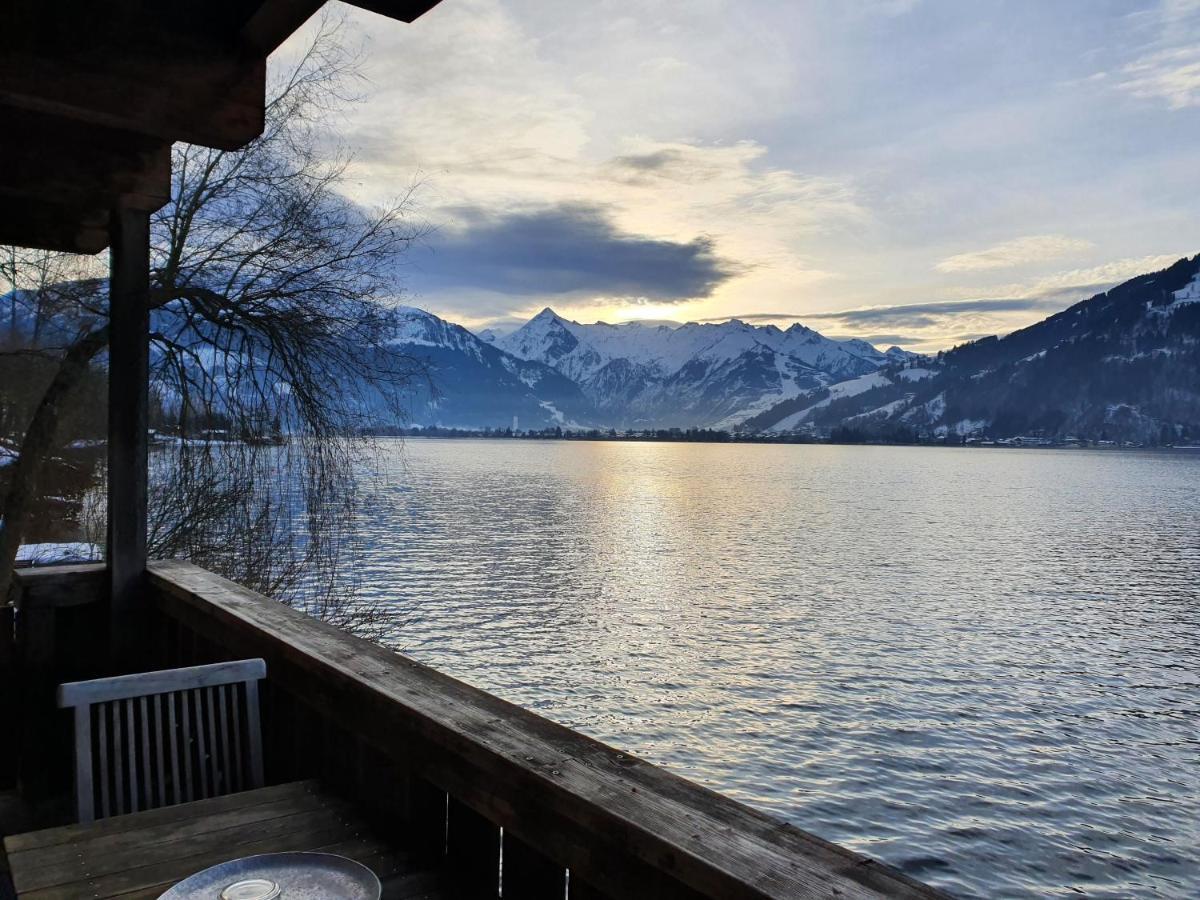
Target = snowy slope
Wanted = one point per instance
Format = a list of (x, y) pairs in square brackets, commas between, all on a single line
[(1122, 365)]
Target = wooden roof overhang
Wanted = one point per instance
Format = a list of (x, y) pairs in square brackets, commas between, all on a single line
[(94, 92)]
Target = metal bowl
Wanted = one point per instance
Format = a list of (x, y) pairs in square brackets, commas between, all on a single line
[(299, 876)]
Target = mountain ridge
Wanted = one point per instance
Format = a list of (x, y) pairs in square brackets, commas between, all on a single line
[(1123, 364)]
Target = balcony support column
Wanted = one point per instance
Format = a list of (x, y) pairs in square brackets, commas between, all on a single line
[(128, 402)]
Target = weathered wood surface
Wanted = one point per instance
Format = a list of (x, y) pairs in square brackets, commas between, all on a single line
[(8, 694), (141, 684), (128, 419), (60, 631), (625, 828), (117, 164), (75, 584), (140, 855), (152, 709), (98, 92)]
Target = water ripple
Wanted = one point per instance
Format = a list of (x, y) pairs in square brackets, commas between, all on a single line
[(980, 666)]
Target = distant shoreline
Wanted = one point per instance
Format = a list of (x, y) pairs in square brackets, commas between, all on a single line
[(706, 436)]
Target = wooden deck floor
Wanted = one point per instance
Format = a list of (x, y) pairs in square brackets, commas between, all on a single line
[(140, 855)]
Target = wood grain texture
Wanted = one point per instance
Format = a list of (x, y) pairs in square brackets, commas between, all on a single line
[(141, 854), (76, 584), (621, 825)]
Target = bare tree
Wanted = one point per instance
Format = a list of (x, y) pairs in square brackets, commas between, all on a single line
[(271, 319)]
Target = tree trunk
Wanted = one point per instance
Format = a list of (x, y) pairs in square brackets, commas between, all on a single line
[(36, 446)]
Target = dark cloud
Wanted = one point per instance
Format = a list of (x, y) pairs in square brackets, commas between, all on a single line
[(925, 315), (567, 249), (650, 162)]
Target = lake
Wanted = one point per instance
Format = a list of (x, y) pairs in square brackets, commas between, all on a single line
[(979, 665)]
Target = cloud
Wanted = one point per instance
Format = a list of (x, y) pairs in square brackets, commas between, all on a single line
[(567, 249), (1169, 75), (1017, 252), (1168, 69), (928, 315), (937, 324), (1078, 284), (834, 151), (907, 315)]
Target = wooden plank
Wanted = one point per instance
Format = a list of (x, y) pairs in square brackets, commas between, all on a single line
[(119, 805), (156, 704), (84, 803), (178, 750), (120, 687), (167, 815), (578, 889), (44, 162), (613, 819), (128, 419), (58, 586), (132, 744), (116, 859), (254, 734), (8, 694), (190, 790), (527, 873), (203, 786), (180, 88), (163, 874), (404, 10), (102, 726), (472, 851), (45, 225), (147, 769), (227, 760), (239, 750), (426, 818), (274, 21), (183, 826)]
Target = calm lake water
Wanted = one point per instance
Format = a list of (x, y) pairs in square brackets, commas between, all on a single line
[(982, 666)]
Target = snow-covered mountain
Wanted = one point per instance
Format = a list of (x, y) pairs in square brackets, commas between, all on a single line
[(660, 375), (1122, 365), (469, 383)]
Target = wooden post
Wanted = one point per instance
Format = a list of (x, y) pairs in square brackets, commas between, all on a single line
[(128, 401)]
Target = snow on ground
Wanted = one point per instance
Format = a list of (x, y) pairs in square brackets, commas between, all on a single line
[(964, 427), (881, 412), (57, 552), (851, 388), (554, 411), (1191, 293), (8, 456)]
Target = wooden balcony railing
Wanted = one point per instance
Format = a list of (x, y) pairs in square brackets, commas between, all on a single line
[(504, 799)]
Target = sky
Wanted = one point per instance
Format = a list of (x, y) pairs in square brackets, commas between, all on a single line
[(912, 172)]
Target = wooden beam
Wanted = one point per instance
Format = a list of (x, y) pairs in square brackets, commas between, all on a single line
[(128, 402), (180, 90), (275, 21), (402, 10), (48, 159), (27, 222)]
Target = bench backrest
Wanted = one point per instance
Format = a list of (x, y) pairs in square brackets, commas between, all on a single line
[(161, 738)]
